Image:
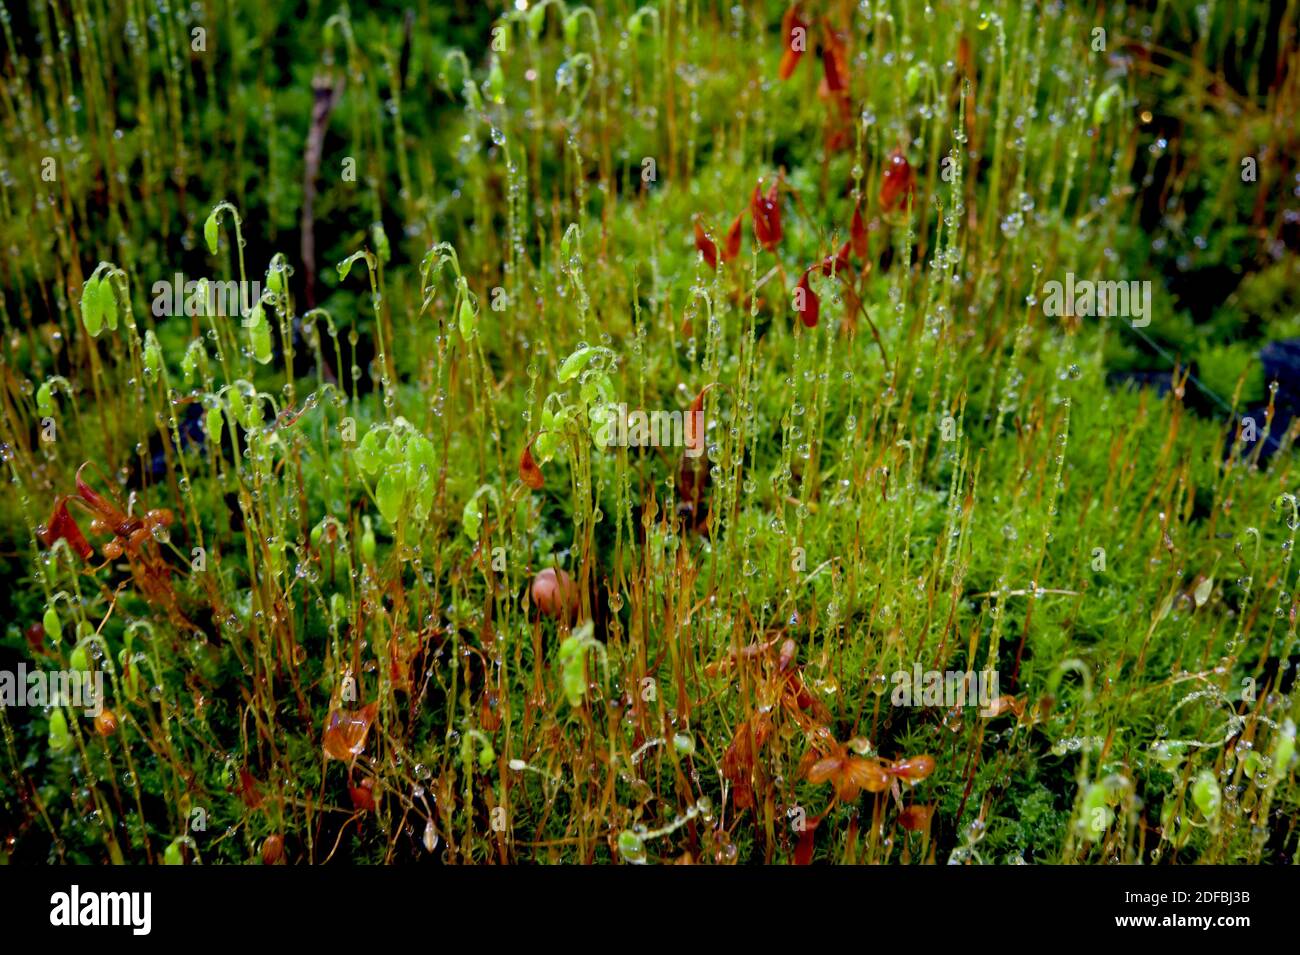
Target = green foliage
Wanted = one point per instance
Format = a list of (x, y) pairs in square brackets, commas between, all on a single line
[(404, 465), (1222, 367), (314, 532)]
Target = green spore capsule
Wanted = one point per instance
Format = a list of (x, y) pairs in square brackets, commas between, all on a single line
[(214, 424), (471, 518), (367, 541), (108, 303), (390, 492), (210, 232), (92, 312), (238, 407), (383, 250), (45, 400), (190, 360), (153, 359), (53, 625), (537, 20), (1105, 104), (259, 335), (58, 737), (496, 81), (130, 673), (1097, 814), (1283, 749), (575, 363), (912, 80), (1206, 794), (630, 847)]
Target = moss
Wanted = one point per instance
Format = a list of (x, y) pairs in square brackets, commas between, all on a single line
[(938, 474), (1225, 368)]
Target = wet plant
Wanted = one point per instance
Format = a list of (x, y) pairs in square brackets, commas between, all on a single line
[(369, 580)]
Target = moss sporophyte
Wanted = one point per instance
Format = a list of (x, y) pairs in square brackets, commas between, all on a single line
[(694, 433)]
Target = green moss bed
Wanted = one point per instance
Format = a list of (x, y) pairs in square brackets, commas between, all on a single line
[(695, 432)]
